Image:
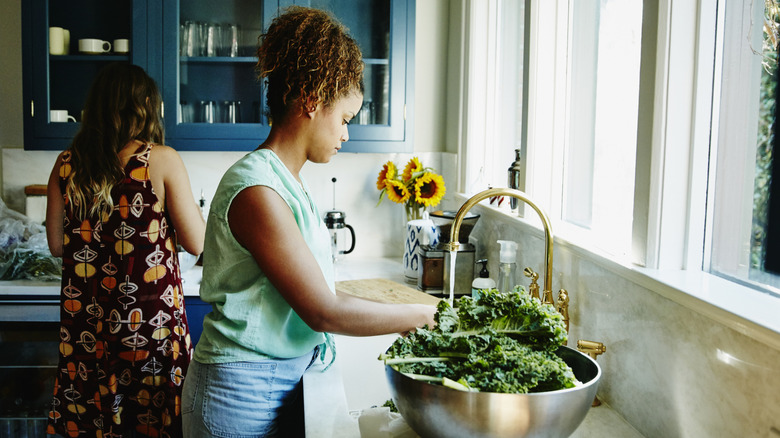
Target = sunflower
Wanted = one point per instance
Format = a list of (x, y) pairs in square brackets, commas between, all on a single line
[(429, 189), (412, 167), (397, 191), (388, 172)]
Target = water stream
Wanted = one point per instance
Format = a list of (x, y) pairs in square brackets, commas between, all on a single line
[(453, 254)]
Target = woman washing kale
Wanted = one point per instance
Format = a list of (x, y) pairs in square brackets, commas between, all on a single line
[(268, 270)]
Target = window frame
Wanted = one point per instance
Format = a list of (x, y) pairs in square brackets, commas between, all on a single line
[(673, 129), (728, 252)]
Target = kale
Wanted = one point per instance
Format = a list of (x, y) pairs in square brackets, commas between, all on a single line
[(390, 404), (499, 342)]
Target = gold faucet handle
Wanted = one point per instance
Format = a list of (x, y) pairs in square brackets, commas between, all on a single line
[(562, 306), (533, 288), (591, 348)]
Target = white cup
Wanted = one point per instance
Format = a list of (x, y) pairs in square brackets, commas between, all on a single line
[(93, 46), (121, 46), (59, 116), (57, 41)]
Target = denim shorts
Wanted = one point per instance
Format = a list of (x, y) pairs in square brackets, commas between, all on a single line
[(245, 399)]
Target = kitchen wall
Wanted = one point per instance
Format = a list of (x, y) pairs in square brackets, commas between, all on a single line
[(379, 229)]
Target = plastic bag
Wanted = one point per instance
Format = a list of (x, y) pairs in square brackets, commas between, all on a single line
[(380, 422), (24, 250)]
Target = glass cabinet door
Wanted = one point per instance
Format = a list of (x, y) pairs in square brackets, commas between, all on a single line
[(384, 30), (368, 22), (212, 99), (65, 45)]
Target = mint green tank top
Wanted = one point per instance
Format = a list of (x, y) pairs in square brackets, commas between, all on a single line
[(249, 319)]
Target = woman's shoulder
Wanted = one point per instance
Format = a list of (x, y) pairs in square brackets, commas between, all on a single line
[(257, 166), (162, 150), (160, 153)]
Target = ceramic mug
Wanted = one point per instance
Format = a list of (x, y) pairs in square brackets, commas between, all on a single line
[(66, 33), (59, 116), (57, 44), (121, 45), (94, 46)]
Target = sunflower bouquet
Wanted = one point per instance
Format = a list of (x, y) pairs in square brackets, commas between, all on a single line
[(417, 187)]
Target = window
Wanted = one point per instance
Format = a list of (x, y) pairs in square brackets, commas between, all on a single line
[(577, 127), (745, 121), (646, 127)]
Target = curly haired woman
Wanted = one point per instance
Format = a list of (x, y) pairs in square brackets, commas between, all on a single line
[(267, 268), (118, 204)]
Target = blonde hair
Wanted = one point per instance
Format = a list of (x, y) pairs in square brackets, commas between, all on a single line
[(122, 105)]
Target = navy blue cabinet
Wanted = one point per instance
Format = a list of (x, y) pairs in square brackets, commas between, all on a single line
[(212, 100), (196, 310), (60, 82)]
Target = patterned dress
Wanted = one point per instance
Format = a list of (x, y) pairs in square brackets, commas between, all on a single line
[(124, 340)]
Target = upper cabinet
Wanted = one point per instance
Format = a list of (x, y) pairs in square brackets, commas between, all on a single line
[(202, 55)]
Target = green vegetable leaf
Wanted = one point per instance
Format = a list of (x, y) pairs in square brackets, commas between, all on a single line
[(499, 342)]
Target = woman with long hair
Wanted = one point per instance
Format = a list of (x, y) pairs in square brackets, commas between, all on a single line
[(119, 205)]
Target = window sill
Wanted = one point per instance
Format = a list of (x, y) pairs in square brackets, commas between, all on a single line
[(748, 311)]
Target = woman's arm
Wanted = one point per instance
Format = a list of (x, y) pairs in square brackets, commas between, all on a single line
[(262, 222), (55, 210), (172, 184)]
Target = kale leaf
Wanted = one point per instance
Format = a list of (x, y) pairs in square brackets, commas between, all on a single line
[(499, 342)]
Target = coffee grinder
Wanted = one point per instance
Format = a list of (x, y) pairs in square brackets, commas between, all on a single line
[(335, 221), (435, 261)]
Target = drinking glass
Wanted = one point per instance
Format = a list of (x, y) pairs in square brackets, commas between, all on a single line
[(207, 111), (191, 39), (186, 112), (231, 39), (231, 111), (213, 39)]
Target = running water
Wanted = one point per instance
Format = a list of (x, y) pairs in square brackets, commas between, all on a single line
[(453, 254)]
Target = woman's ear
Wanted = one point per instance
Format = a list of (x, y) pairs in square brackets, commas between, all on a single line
[(309, 107)]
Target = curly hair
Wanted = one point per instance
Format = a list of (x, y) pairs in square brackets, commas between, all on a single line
[(123, 104), (307, 57)]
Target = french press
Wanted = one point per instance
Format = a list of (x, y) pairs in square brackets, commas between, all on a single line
[(335, 221)]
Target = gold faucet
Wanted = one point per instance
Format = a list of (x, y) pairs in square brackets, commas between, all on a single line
[(562, 304)]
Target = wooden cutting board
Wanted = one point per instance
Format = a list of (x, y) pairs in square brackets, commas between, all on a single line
[(385, 291)]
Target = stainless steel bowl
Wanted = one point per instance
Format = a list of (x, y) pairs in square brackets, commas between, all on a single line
[(436, 411)]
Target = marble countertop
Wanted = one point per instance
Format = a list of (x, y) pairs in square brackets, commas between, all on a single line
[(334, 399)]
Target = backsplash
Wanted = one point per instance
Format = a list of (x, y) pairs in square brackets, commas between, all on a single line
[(669, 370), (379, 229)]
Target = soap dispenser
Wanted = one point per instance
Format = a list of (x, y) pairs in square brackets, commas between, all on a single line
[(483, 280), (507, 266)]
